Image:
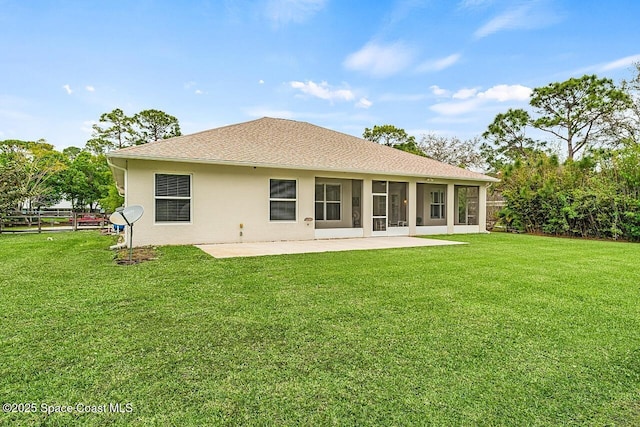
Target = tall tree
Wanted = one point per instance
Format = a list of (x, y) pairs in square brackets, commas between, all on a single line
[(578, 111), (122, 131), (452, 150), (154, 125), (392, 136), (117, 133), (631, 122), (507, 140)]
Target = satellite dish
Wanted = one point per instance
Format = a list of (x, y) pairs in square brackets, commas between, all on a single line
[(128, 216), (132, 213), (117, 219)]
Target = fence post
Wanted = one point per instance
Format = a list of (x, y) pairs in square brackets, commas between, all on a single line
[(39, 222)]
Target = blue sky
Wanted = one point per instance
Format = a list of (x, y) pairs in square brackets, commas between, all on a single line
[(446, 67)]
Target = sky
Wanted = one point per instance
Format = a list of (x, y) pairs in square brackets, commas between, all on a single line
[(426, 66)]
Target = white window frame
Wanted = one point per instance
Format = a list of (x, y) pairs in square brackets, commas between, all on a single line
[(156, 197), (324, 201), (277, 199), (441, 204)]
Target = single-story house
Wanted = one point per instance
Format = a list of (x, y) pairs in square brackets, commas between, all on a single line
[(275, 179)]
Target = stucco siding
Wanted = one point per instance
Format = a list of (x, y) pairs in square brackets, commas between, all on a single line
[(230, 204)]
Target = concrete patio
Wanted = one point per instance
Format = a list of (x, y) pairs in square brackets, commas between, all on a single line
[(232, 250)]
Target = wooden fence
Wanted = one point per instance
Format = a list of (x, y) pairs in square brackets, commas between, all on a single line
[(58, 220)]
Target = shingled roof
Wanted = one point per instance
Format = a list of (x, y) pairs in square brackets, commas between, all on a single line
[(290, 144)]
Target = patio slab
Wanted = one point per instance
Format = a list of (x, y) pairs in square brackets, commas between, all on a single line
[(232, 250)]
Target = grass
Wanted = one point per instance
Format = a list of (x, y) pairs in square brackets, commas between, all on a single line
[(508, 330)]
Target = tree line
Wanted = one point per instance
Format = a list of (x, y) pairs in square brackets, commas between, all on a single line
[(569, 165), (33, 174), (595, 191)]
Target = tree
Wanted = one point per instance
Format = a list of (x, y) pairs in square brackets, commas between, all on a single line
[(117, 134), (112, 200), (392, 136), (71, 152), (122, 131), (631, 122), (507, 134), (12, 173), (453, 151), (87, 180), (29, 173), (578, 111), (154, 125)]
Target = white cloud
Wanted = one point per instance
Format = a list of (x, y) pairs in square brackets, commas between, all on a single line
[(438, 91), (528, 15), (467, 100), (508, 20), (502, 93), (380, 60), (627, 61), (439, 64), (455, 108), (68, 89), (465, 93), (364, 103), (404, 8), (298, 11), (90, 88), (260, 82), (191, 85), (616, 64), (323, 90)]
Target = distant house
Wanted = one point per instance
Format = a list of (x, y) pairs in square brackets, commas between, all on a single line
[(275, 179)]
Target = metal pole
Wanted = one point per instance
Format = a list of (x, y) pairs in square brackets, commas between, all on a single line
[(130, 242)]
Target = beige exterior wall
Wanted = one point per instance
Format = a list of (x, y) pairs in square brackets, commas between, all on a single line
[(228, 204), (231, 203), (424, 204)]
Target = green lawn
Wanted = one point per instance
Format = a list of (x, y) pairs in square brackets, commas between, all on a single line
[(508, 330)]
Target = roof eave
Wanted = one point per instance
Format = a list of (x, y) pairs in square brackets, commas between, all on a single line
[(488, 179)]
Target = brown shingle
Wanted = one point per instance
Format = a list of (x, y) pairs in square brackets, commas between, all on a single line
[(282, 143)]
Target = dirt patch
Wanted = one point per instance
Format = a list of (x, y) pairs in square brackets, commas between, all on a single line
[(138, 255)]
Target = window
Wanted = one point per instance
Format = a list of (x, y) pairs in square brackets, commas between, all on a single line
[(328, 203), (173, 198), (282, 200), (437, 205)]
